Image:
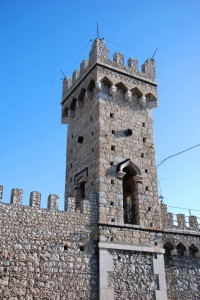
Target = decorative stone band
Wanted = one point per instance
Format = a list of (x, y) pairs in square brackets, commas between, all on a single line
[(106, 265)]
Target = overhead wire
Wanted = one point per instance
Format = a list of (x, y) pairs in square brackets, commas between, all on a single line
[(114, 43), (82, 51), (177, 154)]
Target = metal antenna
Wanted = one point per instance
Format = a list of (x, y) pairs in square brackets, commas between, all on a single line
[(62, 74), (97, 29), (154, 54)]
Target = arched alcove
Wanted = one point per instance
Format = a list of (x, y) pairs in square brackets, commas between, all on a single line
[(180, 249), (121, 87), (129, 173), (168, 247), (192, 250)]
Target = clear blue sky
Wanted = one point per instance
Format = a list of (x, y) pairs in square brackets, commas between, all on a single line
[(39, 38)]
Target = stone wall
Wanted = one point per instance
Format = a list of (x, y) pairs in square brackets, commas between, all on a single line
[(48, 254)]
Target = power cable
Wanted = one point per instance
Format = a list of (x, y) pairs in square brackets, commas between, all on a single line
[(146, 56), (177, 154), (78, 56)]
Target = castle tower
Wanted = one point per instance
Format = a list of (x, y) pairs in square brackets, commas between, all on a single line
[(110, 147)]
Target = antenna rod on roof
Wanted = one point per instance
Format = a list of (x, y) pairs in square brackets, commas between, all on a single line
[(154, 54), (97, 29)]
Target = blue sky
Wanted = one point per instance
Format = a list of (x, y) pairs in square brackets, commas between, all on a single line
[(39, 38)]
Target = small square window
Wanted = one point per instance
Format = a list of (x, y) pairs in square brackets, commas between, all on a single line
[(112, 181), (112, 163), (144, 140), (91, 118), (113, 131), (147, 188), (143, 124), (142, 155), (111, 203), (112, 220), (149, 208), (81, 248), (151, 224), (113, 148), (111, 115), (146, 171), (65, 247)]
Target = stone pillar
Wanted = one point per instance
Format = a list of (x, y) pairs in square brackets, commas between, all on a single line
[(35, 199), (53, 202), (1, 193), (118, 58), (105, 266), (83, 66), (181, 220), (159, 269), (193, 222), (169, 219), (16, 196), (133, 63), (75, 75), (149, 68), (67, 83)]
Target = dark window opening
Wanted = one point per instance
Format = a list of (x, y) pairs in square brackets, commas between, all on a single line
[(65, 247), (113, 131), (81, 248), (111, 115), (143, 124), (180, 249), (80, 195), (144, 140), (112, 163), (113, 148), (112, 181), (129, 197), (142, 155), (146, 170)]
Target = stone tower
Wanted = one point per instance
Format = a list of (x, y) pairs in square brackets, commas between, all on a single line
[(110, 147), (114, 240)]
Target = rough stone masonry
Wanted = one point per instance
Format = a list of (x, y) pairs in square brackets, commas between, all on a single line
[(114, 240)]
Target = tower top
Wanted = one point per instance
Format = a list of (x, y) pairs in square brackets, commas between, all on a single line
[(99, 55)]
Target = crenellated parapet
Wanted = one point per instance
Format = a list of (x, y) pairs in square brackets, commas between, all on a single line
[(88, 207), (34, 201), (178, 221), (99, 55)]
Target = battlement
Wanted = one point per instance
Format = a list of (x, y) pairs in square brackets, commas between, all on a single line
[(100, 55), (87, 206), (179, 221)]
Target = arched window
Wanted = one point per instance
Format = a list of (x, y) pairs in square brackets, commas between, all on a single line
[(129, 198), (180, 249), (192, 250), (168, 247), (130, 174)]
